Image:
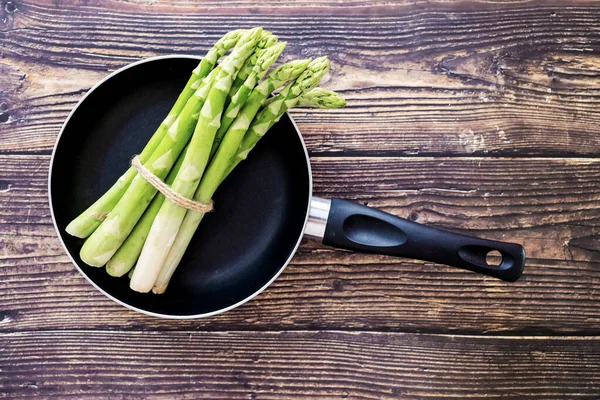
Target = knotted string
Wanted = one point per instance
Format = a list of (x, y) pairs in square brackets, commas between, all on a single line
[(169, 193)]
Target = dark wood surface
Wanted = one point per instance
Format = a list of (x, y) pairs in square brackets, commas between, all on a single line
[(478, 117)]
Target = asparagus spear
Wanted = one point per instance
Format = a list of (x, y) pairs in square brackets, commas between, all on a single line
[(318, 98), (277, 78), (124, 259), (169, 218), (262, 65), (104, 241), (288, 98), (128, 253), (92, 217), (221, 47), (321, 98), (267, 40), (219, 166), (280, 76)]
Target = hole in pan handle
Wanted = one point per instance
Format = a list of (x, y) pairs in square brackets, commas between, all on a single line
[(352, 226)]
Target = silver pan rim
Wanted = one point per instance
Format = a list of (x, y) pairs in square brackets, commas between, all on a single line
[(129, 306)]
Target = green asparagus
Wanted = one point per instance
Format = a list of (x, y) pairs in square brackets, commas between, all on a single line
[(238, 133), (321, 98), (288, 98), (92, 217), (105, 241), (217, 120), (267, 40), (169, 218), (124, 259), (262, 65)]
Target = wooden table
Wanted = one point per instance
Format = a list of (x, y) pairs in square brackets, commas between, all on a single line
[(475, 117)]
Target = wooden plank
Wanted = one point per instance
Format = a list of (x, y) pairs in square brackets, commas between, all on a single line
[(325, 290), (294, 7), (460, 78), (550, 205), (295, 365)]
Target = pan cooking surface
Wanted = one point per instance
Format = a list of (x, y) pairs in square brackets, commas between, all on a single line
[(259, 210)]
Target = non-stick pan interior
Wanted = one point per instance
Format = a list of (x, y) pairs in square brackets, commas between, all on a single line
[(260, 209)]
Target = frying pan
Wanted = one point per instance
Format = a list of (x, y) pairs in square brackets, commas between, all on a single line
[(262, 210)]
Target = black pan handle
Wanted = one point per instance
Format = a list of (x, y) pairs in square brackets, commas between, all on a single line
[(356, 227)]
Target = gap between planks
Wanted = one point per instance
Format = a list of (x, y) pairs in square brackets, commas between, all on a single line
[(350, 331), (382, 156)]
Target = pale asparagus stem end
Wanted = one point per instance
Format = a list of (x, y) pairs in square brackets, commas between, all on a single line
[(72, 230), (159, 290), (116, 269)]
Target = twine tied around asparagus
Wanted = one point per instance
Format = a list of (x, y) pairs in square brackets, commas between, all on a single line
[(169, 193)]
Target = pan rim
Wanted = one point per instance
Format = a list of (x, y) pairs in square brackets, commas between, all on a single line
[(129, 306)]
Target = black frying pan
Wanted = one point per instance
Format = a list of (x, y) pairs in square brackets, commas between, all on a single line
[(262, 210)]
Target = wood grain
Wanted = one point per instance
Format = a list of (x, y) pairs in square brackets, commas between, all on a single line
[(421, 80), (479, 117), (550, 205), (299, 365), (327, 290)]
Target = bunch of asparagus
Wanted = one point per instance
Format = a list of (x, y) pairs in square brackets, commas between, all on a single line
[(221, 114)]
